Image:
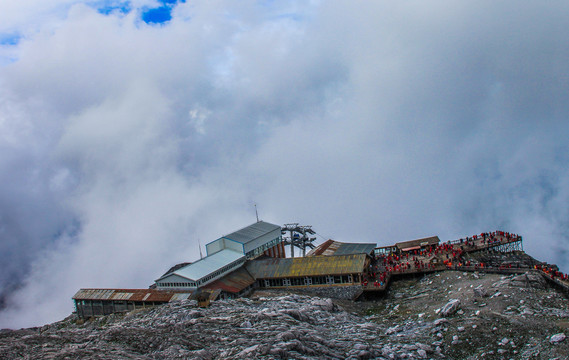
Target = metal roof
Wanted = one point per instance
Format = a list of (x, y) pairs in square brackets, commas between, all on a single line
[(324, 248), (353, 248), (146, 295), (252, 232), (433, 240), (207, 265), (307, 266), (176, 267), (331, 247), (233, 282)]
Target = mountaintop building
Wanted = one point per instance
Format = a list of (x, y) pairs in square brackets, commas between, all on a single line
[(254, 258), (226, 254)]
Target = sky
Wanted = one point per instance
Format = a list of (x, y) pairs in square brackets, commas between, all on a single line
[(131, 130)]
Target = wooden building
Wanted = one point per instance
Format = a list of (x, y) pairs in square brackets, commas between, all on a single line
[(96, 302)]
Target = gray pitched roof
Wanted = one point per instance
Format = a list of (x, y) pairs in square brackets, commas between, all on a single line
[(252, 232)]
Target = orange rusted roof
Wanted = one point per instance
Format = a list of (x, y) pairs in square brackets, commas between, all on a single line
[(146, 295), (320, 249), (233, 282)]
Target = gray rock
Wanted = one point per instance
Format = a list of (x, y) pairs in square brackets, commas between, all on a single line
[(324, 304), (190, 303), (360, 346), (280, 325), (392, 330), (246, 324), (534, 280), (480, 291), (557, 338), (201, 354), (438, 322), (526, 312), (450, 308)]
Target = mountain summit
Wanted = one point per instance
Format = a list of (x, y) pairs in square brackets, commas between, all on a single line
[(449, 314)]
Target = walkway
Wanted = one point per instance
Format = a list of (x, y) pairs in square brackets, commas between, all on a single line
[(449, 256)]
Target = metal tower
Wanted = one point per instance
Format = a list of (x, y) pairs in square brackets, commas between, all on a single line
[(298, 235)]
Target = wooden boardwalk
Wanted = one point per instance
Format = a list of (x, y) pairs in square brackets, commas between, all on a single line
[(449, 256)]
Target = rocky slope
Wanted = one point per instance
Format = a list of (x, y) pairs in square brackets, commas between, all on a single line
[(450, 315)]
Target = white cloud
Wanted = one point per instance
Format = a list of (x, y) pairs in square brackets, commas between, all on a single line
[(122, 143)]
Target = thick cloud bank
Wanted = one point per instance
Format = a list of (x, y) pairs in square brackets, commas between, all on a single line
[(124, 141)]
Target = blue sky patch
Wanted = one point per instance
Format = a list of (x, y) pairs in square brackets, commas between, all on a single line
[(9, 39), (160, 14), (157, 15), (110, 7)]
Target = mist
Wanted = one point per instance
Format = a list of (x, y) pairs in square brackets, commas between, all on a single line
[(124, 141)]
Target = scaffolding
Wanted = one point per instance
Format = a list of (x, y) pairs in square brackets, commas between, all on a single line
[(496, 258), (507, 247)]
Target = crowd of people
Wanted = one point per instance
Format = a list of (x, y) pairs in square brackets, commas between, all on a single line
[(447, 255), (553, 272), (489, 238)]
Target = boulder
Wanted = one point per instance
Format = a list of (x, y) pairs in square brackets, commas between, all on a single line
[(246, 324), (557, 338), (324, 304), (202, 354), (528, 280), (450, 308), (438, 322), (480, 291), (425, 347)]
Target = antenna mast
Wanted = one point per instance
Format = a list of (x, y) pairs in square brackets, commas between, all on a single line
[(200, 246), (256, 213)]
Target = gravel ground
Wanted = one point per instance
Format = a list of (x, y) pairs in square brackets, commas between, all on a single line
[(450, 315)]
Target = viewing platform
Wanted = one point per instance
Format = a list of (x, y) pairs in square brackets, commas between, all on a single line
[(428, 255)]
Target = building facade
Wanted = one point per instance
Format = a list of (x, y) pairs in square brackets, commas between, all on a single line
[(226, 255)]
